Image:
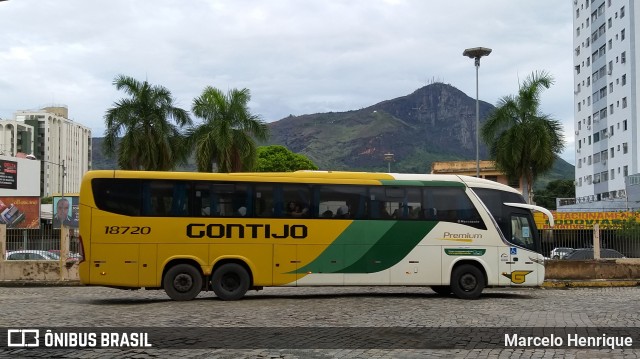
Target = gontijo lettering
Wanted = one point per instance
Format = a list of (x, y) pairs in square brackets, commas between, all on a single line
[(231, 230)]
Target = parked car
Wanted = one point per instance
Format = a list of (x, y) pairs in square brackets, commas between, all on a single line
[(587, 253), (72, 257), (31, 255), (560, 252)]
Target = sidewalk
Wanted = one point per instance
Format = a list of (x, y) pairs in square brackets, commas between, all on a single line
[(558, 283)]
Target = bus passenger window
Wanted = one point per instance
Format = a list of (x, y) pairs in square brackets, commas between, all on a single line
[(264, 200), (451, 204)]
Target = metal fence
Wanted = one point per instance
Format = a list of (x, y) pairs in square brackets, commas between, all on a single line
[(624, 241), (45, 238)]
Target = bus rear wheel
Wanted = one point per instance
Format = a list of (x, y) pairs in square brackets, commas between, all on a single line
[(467, 282), (182, 282), (441, 289), (230, 282)]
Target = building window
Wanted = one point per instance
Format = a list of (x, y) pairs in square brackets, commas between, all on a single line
[(611, 152), (622, 34), (623, 57), (624, 125), (625, 171), (624, 80), (613, 174), (625, 147), (611, 130), (611, 109), (622, 12), (609, 23), (624, 102)]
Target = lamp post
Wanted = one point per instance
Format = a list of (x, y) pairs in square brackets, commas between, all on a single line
[(476, 53), (388, 157), (64, 173)]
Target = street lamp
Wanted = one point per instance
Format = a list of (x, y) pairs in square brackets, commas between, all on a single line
[(64, 172), (388, 157), (476, 53)]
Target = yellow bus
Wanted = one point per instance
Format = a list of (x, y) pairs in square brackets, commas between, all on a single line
[(230, 233)]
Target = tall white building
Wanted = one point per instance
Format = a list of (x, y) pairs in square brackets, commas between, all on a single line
[(606, 37), (59, 143)]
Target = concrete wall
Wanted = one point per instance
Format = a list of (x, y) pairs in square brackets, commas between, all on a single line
[(613, 269), (37, 271)]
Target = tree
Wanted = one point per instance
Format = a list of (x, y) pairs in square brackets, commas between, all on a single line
[(279, 159), (524, 142), (149, 141), (555, 189), (227, 134)]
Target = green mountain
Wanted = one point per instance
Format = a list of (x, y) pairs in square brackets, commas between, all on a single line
[(434, 123)]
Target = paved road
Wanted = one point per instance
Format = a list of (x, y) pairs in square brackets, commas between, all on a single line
[(297, 311)]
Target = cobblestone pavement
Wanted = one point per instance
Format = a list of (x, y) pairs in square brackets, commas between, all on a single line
[(316, 308)]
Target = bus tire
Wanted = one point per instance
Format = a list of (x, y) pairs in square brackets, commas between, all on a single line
[(441, 289), (467, 281), (182, 282), (230, 282)]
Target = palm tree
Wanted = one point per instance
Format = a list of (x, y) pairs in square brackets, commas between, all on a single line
[(523, 141), (149, 141), (225, 136)]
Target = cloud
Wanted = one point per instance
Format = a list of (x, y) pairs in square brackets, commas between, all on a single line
[(295, 57)]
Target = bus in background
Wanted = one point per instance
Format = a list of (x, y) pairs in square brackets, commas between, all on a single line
[(188, 232)]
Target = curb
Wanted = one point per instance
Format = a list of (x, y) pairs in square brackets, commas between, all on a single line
[(590, 283), (40, 283)]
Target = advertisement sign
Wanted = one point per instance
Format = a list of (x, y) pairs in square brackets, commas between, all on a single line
[(20, 212), (8, 174), (583, 220), (65, 211)]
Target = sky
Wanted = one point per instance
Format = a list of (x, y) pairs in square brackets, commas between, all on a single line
[(295, 56)]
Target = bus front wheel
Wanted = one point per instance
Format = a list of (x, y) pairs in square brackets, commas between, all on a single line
[(182, 282), (230, 282), (467, 282)]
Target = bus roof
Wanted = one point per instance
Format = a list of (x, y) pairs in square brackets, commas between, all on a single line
[(342, 177)]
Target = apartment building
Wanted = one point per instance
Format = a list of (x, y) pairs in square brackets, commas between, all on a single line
[(62, 145), (606, 92)]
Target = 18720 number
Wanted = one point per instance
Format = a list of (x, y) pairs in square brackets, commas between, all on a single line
[(126, 230)]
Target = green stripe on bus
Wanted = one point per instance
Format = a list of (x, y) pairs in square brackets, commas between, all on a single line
[(360, 252), (394, 245), (349, 247), (416, 183)]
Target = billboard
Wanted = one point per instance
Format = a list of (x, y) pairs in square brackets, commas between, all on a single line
[(583, 220), (8, 174), (65, 211), (20, 212)]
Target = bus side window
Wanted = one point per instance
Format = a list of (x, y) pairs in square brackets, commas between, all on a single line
[(264, 200), (451, 204)]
